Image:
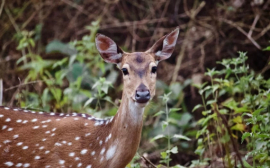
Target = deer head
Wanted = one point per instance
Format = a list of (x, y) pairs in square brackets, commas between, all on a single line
[(138, 68)]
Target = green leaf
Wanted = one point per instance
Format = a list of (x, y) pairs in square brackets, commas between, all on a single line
[(175, 109), (89, 101), (164, 125), (209, 102), (178, 136), (246, 164), (237, 119), (159, 113), (239, 127), (58, 46), (178, 166), (174, 150), (157, 137), (196, 107), (267, 48)]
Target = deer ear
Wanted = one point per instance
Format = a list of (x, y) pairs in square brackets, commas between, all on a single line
[(164, 47), (108, 49)]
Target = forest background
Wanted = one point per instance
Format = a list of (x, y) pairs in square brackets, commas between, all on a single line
[(214, 88)]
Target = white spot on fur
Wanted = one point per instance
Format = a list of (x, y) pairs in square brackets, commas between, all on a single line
[(93, 153), (71, 154), (46, 152), (37, 157), (110, 152), (1, 115), (88, 166), (19, 121), (77, 138), (9, 164), (61, 161), (25, 147), (34, 120), (25, 121), (57, 144), (6, 108), (36, 127), (79, 165), (8, 120), (84, 151), (10, 129), (102, 151), (19, 143), (19, 164), (6, 141), (87, 134), (4, 127), (26, 165), (15, 136)]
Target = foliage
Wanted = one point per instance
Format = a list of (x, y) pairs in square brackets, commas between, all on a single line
[(64, 83), (235, 106), (165, 156)]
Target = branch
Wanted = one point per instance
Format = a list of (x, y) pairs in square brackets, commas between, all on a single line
[(225, 122)]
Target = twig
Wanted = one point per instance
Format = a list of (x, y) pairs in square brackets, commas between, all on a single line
[(12, 20), (14, 94), (148, 161), (2, 6), (130, 23), (133, 39), (266, 67), (225, 122), (1, 92), (242, 31), (24, 84), (265, 30), (78, 7), (159, 22), (202, 58), (253, 25), (180, 57)]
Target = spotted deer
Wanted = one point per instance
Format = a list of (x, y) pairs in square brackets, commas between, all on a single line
[(51, 140)]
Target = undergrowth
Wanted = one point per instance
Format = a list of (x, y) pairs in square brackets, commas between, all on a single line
[(236, 108)]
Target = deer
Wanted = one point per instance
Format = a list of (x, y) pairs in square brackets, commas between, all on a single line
[(50, 140)]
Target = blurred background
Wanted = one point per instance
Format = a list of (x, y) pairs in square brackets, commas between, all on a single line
[(48, 61)]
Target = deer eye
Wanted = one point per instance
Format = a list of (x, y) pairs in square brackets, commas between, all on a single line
[(154, 69), (125, 71)]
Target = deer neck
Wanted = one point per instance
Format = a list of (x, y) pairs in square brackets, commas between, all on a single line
[(127, 127)]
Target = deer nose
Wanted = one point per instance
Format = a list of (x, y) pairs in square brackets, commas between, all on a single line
[(142, 96)]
